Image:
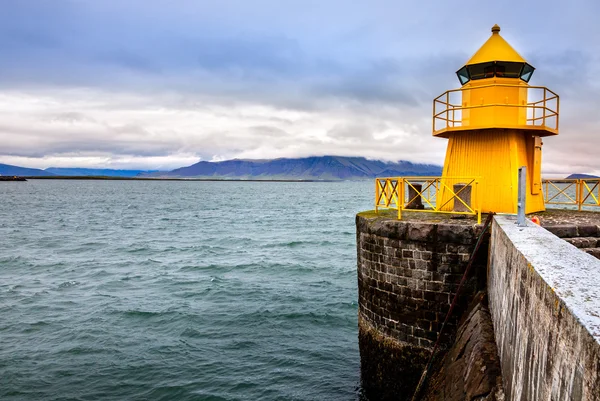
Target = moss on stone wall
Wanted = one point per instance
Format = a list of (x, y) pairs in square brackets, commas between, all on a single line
[(390, 370)]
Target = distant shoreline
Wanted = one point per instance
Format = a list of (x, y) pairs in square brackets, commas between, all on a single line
[(106, 178), (304, 169)]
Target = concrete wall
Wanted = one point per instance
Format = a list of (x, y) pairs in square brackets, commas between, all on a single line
[(544, 297), (408, 273)]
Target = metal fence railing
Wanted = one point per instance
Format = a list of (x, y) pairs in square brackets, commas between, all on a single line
[(454, 195), (462, 195), (574, 193)]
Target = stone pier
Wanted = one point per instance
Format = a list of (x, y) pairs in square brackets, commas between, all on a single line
[(544, 297), (408, 273), (544, 307)]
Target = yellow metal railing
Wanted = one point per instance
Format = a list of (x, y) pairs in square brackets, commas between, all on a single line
[(575, 192), (453, 195), (448, 108)]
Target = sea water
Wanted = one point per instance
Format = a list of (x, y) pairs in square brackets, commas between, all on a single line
[(186, 290)]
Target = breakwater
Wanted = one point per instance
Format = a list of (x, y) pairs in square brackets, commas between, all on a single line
[(543, 308), (545, 302), (408, 273)]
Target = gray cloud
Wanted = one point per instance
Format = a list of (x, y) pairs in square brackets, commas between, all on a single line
[(161, 79)]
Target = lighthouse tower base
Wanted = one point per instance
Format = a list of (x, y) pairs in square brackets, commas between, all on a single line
[(494, 156)]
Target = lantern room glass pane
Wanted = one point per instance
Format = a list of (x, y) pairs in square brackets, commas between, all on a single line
[(481, 71), (463, 75), (501, 69), (527, 72), (507, 69)]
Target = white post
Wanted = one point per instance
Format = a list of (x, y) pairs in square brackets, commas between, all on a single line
[(522, 191)]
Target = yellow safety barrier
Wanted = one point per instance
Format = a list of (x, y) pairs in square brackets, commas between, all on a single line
[(587, 197), (452, 195), (575, 192), (457, 109)]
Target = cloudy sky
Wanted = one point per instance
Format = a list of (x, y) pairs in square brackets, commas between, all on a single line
[(163, 84)]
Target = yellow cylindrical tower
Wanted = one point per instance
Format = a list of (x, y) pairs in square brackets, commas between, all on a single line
[(494, 124)]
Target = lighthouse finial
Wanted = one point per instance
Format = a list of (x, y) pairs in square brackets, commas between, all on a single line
[(495, 29)]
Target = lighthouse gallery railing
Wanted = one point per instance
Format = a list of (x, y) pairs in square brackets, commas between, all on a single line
[(541, 111)]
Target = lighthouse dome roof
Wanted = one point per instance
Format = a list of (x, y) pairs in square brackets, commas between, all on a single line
[(496, 48)]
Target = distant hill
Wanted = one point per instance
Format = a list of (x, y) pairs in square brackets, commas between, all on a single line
[(307, 168), (321, 167), (84, 172), (7, 169), (575, 176)]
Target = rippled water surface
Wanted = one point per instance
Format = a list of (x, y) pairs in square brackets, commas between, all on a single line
[(179, 290)]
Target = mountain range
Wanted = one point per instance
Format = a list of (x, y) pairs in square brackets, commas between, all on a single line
[(86, 172), (306, 168), (7, 169), (321, 168)]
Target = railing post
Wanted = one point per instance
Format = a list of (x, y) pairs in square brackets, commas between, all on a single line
[(437, 192), (376, 195), (544, 110), (433, 116), (401, 198), (579, 194), (557, 109), (447, 107), (478, 197), (399, 201), (522, 195)]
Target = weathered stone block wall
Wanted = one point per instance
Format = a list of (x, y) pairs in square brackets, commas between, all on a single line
[(544, 297), (408, 273), (470, 370)]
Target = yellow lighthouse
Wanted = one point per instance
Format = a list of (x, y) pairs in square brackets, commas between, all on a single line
[(494, 124)]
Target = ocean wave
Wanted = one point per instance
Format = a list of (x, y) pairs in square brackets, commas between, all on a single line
[(204, 295), (68, 284)]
